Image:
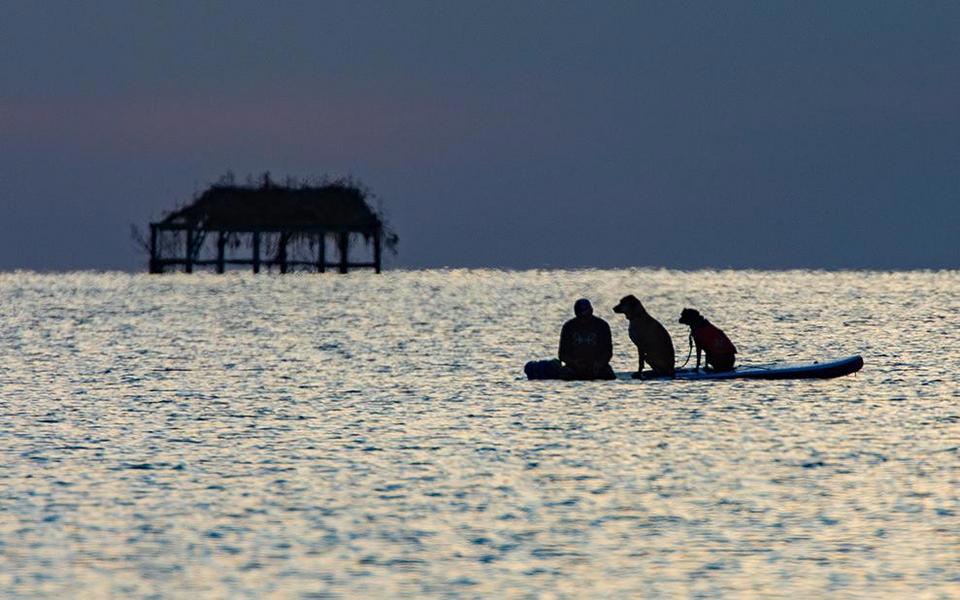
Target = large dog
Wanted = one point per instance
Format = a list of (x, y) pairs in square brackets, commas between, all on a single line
[(653, 343), (720, 351)]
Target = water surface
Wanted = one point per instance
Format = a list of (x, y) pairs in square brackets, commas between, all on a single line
[(372, 436)]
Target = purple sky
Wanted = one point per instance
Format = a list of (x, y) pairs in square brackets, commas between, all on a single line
[(502, 134)]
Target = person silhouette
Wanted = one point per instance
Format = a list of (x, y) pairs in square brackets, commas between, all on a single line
[(586, 345)]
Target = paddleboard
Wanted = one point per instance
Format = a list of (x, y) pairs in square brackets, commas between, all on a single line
[(817, 370)]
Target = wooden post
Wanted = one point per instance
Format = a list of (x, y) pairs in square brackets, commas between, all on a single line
[(322, 253), (188, 262), (155, 266), (282, 251), (221, 242), (256, 251), (377, 248), (343, 241)]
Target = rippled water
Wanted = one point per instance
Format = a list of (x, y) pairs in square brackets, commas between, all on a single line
[(363, 436)]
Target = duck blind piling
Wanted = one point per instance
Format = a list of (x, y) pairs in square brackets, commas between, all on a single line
[(287, 227)]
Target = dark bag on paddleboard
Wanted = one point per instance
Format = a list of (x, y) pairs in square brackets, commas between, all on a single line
[(543, 369)]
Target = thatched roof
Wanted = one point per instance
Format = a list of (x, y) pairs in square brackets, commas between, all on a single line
[(334, 206)]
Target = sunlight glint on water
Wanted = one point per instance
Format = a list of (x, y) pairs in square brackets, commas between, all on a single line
[(347, 436)]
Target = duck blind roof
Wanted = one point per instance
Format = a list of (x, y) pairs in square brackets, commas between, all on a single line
[(334, 207)]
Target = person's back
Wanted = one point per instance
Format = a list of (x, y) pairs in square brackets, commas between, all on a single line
[(586, 345)]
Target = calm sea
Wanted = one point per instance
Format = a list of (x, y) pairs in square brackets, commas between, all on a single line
[(325, 436)]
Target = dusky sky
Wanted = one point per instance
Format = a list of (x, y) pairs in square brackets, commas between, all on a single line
[(500, 134)]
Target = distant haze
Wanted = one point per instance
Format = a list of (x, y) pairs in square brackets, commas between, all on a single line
[(501, 134)]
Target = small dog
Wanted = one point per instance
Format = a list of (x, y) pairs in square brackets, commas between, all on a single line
[(650, 337), (721, 353)]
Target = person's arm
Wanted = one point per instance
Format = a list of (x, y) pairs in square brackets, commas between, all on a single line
[(564, 352)]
